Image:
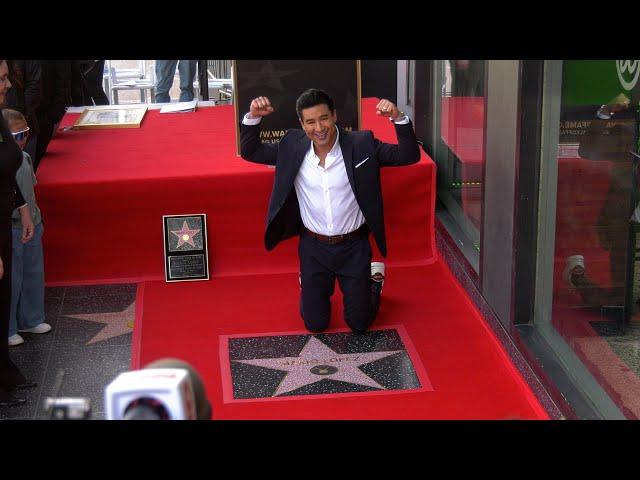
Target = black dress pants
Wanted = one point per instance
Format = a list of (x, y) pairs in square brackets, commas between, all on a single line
[(42, 142), (10, 376), (93, 84), (350, 262)]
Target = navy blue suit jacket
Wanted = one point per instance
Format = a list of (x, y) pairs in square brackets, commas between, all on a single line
[(363, 156)]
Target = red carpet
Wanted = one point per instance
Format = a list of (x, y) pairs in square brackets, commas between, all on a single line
[(103, 194), (471, 375)]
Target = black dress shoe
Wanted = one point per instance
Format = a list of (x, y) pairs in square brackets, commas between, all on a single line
[(8, 400), (26, 386)]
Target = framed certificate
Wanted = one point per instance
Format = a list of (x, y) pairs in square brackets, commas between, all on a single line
[(122, 117), (185, 247)]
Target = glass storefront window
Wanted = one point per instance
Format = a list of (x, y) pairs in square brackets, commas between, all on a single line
[(595, 293), (460, 148)]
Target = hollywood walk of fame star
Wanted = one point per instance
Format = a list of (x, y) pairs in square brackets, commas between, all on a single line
[(318, 362), (185, 235), (116, 323), (268, 76)]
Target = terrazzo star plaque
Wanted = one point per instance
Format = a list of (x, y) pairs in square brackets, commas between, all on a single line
[(282, 366), (185, 247)]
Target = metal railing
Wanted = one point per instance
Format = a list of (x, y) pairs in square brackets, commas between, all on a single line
[(219, 68), (219, 80)]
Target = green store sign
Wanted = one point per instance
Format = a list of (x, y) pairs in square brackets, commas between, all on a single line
[(594, 82)]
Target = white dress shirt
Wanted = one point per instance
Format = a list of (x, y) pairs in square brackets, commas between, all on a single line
[(328, 205)]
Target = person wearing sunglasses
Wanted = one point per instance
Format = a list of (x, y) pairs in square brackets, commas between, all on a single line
[(27, 289), (11, 379), (21, 137)]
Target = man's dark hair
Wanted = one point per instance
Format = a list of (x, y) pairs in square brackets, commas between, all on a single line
[(16, 75), (311, 98)]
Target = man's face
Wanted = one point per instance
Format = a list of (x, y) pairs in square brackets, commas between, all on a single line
[(320, 125), (19, 126), (5, 84)]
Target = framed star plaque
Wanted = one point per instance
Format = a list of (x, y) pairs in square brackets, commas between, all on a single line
[(185, 247)]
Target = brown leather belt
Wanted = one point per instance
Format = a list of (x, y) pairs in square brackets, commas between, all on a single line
[(334, 239)]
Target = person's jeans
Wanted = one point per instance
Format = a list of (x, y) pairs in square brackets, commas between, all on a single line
[(165, 71), (27, 281)]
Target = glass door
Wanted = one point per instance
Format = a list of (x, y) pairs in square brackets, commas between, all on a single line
[(460, 148), (587, 301)]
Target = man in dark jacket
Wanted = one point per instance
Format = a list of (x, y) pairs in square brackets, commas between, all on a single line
[(327, 190), (611, 138), (56, 96), (25, 95), (86, 84)]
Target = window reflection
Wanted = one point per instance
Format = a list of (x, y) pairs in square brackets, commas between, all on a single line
[(460, 156), (464, 78), (594, 260)]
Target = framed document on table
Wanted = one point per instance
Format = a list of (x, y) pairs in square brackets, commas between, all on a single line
[(185, 247), (122, 117)]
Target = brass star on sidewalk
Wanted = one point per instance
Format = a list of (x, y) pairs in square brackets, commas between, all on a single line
[(116, 323), (318, 362)]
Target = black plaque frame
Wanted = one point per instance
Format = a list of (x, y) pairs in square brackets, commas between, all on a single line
[(284, 80), (177, 255)]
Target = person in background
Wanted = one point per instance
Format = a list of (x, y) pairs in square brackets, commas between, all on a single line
[(87, 86), (610, 137), (27, 274), (165, 71), (25, 95), (56, 97), (11, 379), (467, 78)]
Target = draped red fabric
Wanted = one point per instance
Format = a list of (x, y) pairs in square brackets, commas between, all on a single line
[(103, 194)]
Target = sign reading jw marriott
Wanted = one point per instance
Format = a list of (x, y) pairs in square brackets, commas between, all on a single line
[(284, 80)]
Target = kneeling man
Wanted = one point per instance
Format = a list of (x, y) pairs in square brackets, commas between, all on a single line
[(327, 190)]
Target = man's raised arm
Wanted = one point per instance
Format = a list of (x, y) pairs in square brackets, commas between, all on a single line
[(251, 147), (407, 150)]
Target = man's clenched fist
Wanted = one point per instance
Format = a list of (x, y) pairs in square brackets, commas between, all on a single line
[(260, 107)]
